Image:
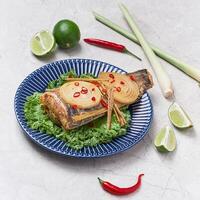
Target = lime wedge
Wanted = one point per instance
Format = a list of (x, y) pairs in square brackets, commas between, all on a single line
[(165, 140), (178, 116), (42, 43)]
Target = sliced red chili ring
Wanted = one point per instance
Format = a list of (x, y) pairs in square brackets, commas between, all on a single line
[(111, 76), (74, 107), (76, 94), (93, 99), (104, 90), (112, 81), (118, 89), (96, 83), (76, 83), (132, 77), (84, 90), (104, 104)]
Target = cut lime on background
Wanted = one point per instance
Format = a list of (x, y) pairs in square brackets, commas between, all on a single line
[(178, 116), (42, 43), (165, 140)]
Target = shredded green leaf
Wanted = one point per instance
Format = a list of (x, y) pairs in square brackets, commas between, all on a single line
[(90, 134)]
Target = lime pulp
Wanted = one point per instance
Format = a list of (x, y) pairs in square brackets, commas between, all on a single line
[(165, 140), (178, 116)]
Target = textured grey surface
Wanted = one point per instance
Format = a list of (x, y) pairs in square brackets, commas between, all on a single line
[(28, 172)]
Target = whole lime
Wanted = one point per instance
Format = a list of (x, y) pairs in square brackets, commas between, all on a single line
[(66, 33)]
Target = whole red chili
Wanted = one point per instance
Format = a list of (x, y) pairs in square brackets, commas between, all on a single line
[(113, 189), (76, 94), (109, 45)]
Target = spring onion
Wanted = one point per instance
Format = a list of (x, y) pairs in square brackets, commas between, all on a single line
[(186, 68), (162, 77)]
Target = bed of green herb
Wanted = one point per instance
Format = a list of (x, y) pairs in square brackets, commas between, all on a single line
[(87, 135)]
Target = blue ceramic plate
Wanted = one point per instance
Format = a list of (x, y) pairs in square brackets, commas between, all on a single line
[(141, 112)]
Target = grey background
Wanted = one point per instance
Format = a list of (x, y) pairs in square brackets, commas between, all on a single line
[(28, 172)]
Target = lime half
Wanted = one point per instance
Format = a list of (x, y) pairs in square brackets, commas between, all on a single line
[(165, 140), (42, 43), (178, 116)]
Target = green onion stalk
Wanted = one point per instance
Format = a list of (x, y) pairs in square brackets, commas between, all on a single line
[(186, 68), (162, 77)]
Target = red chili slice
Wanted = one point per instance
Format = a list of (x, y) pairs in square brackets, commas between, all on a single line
[(104, 104), (93, 99), (122, 82), (111, 76), (76, 94), (96, 83), (132, 77), (104, 90), (118, 89), (84, 90), (74, 107), (112, 81), (76, 83), (113, 189)]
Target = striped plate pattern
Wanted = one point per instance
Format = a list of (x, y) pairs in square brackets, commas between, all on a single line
[(141, 112)]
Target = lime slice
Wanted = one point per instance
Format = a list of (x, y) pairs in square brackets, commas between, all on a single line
[(42, 43), (165, 140), (178, 116)]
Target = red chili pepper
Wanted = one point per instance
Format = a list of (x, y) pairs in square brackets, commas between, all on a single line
[(76, 83), (118, 89), (132, 77), (93, 99), (122, 82), (109, 45), (76, 94), (112, 81), (111, 76), (74, 107), (84, 90), (104, 90), (96, 83), (104, 104), (113, 189)]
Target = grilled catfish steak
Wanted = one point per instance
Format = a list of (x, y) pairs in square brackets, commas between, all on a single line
[(79, 102)]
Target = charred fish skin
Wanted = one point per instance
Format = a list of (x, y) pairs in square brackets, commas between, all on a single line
[(69, 118), (143, 78), (65, 115)]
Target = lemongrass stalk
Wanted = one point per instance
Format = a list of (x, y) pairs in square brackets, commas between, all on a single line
[(162, 77), (186, 68)]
